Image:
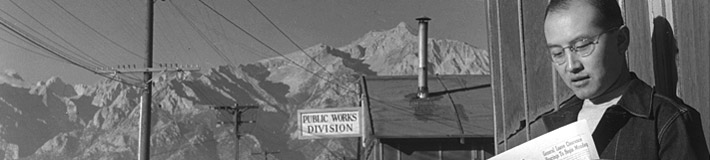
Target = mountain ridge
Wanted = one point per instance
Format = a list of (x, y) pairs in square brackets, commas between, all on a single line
[(100, 121)]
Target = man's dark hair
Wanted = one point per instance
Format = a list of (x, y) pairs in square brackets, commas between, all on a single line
[(609, 10)]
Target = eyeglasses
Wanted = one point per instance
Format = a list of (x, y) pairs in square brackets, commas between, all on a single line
[(582, 47)]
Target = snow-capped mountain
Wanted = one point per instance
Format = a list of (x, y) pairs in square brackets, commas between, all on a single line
[(55, 120)]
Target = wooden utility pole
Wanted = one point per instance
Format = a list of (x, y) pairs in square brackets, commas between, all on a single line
[(237, 111), (265, 154), (146, 97)]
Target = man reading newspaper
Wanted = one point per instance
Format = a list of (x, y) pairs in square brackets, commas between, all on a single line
[(587, 41)]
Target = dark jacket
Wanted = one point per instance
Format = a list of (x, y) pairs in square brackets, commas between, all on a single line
[(642, 125)]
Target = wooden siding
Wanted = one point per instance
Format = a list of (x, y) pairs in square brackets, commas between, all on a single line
[(522, 73), (539, 75), (493, 45), (511, 72), (670, 49), (639, 54), (692, 33)]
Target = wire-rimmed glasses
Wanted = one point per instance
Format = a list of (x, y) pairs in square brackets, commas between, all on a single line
[(582, 47)]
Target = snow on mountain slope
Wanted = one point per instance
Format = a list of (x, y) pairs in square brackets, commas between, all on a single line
[(53, 119)]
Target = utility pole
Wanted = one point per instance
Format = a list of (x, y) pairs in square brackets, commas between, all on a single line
[(265, 154), (146, 98), (237, 111)]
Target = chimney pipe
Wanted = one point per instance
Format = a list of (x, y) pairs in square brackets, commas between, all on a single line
[(423, 27)]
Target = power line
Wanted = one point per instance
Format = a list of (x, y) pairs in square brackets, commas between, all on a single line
[(97, 32), (8, 26), (289, 38), (285, 35), (270, 48), (30, 39), (87, 57), (337, 84), (329, 81), (23, 35), (184, 48), (249, 49), (29, 50), (202, 35), (299, 48), (48, 39), (319, 142), (166, 39)]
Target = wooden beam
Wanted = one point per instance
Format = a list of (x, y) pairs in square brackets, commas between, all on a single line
[(494, 51), (538, 66), (513, 99)]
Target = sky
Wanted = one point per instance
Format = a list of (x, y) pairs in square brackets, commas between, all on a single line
[(111, 33)]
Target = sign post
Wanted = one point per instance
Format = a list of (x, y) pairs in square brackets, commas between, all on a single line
[(329, 123)]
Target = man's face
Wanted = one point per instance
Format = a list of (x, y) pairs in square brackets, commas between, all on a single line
[(590, 76)]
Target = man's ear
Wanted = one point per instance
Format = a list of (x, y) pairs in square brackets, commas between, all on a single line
[(622, 40)]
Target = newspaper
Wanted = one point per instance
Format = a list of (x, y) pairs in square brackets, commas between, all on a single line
[(571, 142)]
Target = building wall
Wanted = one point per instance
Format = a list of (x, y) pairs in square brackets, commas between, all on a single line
[(670, 49)]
